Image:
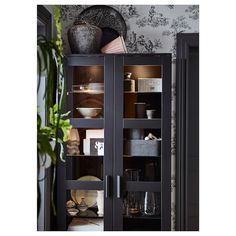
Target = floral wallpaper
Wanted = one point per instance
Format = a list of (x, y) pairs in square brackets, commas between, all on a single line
[(150, 29)]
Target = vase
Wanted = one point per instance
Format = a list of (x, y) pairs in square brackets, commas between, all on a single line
[(84, 38)]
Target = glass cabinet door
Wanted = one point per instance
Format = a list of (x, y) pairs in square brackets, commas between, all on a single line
[(88, 204), (143, 162)]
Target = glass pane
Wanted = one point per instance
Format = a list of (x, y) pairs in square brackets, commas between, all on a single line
[(88, 92), (85, 210), (142, 92), (141, 211), (85, 150)]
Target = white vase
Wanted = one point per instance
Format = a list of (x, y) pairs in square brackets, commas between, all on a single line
[(100, 202)]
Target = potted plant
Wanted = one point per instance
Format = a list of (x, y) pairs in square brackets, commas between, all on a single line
[(50, 137)]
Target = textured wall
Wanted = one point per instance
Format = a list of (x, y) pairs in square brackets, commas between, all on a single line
[(150, 29)]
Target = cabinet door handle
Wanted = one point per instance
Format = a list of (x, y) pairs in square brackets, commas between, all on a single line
[(118, 186), (107, 186)]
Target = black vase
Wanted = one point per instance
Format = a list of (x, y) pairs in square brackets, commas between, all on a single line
[(84, 38)]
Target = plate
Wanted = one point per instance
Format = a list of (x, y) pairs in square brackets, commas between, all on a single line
[(90, 196), (108, 19)]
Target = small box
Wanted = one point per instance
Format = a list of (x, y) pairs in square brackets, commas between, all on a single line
[(149, 84), (142, 148), (94, 133), (93, 146)]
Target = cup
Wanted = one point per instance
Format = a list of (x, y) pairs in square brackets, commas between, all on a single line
[(140, 109), (150, 113)]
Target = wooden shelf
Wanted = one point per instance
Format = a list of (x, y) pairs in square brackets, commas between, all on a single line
[(142, 123), (84, 185), (87, 123)]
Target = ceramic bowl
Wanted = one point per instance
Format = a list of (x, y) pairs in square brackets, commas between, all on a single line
[(88, 112), (73, 211)]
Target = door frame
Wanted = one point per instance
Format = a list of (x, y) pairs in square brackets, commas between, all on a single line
[(184, 42)]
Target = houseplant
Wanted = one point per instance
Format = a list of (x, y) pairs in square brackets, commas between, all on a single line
[(52, 135)]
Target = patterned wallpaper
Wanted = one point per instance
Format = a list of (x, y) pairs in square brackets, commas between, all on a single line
[(150, 29)]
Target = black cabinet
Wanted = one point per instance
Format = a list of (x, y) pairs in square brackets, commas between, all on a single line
[(124, 180)]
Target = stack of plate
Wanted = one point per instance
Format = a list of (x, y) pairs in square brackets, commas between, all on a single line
[(91, 88)]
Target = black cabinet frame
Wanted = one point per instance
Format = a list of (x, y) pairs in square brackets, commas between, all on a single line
[(113, 124), (187, 132)]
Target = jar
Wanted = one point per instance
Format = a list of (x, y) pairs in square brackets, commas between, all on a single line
[(129, 84)]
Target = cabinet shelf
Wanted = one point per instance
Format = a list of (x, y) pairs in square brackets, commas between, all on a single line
[(144, 186), (84, 156), (151, 157), (143, 217), (142, 123), (87, 123), (137, 92), (85, 185), (86, 92)]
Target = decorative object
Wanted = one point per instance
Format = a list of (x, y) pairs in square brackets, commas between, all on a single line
[(150, 114), (90, 196), (84, 38), (149, 85), (140, 108), (73, 211), (83, 206), (108, 19), (73, 142), (132, 203), (93, 146), (149, 204), (100, 202), (142, 147), (129, 84), (70, 204), (115, 46), (89, 112)]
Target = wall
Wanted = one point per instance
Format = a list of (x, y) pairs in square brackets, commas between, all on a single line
[(150, 29)]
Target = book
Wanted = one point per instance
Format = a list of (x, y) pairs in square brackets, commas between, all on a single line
[(115, 46)]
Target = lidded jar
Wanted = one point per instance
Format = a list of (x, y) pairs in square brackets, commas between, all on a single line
[(129, 83)]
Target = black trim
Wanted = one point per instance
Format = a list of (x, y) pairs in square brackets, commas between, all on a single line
[(46, 18), (183, 130)]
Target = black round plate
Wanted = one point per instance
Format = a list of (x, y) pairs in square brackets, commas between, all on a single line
[(108, 19)]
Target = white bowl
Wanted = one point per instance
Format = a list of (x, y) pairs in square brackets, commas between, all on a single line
[(88, 112), (73, 211)]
